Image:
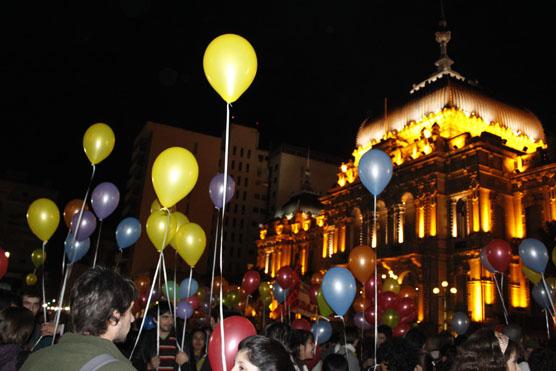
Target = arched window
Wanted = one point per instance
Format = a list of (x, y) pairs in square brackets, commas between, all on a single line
[(461, 218), (381, 225)]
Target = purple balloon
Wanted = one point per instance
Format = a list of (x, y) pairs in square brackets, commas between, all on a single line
[(205, 307), (105, 199), (87, 227), (485, 262), (360, 322), (184, 310), (216, 189)]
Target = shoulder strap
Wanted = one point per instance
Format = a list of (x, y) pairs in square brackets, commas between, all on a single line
[(98, 361)]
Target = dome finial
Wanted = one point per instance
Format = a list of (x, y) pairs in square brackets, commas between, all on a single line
[(443, 36)]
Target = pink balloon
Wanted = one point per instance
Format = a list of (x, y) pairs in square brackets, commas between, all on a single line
[(193, 301), (236, 329)]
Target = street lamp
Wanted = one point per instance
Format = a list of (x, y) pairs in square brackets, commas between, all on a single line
[(444, 291)]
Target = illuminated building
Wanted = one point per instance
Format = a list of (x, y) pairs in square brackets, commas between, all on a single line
[(467, 169)]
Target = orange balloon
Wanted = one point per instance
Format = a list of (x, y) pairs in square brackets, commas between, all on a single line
[(72, 208), (220, 281), (360, 304), (142, 283), (362, 262), (316, 279), (407, 292)]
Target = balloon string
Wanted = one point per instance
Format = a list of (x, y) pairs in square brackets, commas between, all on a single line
[(98, 242), (226, 147), (172, 311), (147, 306), (345, 337), (214, 262), (175, 278), (185, 317), (548, 293), (501, 298), (246, 304), (43, 289), (547, 325), (118, 259), (376, 287), (73, 251)]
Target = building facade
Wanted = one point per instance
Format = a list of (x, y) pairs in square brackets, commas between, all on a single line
[(467, 169)]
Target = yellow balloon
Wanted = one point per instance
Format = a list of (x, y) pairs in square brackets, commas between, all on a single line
[(554, 255), (533, 276), (174, 174), (98, 142), (38, 257), (181, 219), (155, 206), (230, 65), (551, 282), (161, 228), (31, 279), (191, 242), (43, 218), (391, 285)]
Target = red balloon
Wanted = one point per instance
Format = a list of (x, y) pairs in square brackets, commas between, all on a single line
[(251, 281), (387, 299), (499, 254), (370, 314), (236, 329), (316, 279), (360, 304), (284, 277), (142, 283), (142, 299), (193, 301), (401, 329), (404, 306), (370, 288), (301, 324), (313, 293), (3, 263), (409, 318), (407, 292)]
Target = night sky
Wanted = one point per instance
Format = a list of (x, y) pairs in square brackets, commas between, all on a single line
[(323, 67)]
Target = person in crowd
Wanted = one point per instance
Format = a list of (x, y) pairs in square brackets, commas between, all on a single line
[(303, 347), (168, 357), (395, 354), (9, 299), (31, 299), (486, 349), (198, 360), (416, 339), (100, 302), (281, 332), (261, 353), (347, 346), (384, 333), (16, 326), (335, 362), (542, 359)]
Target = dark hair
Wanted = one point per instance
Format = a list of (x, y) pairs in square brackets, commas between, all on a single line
[(30, 291), (164, 308), (542, 359), (16, 325), (266, 353), (351, 336), (397, 354), (335, 362), (481, 352), (299, 337), (9, 299), (191, 350), (280, 332), (95, 295), (386, 330)]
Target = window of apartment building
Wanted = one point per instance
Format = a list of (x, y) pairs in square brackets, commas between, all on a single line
[(240, 167), (238, 181), (234, 150), (233, 237), (255, 209), (259, 172), (246, 182), (225, 235), (275, 167), (244, 195), (233, 222), (235, 208), (243, 209), (263, 197), (257, 196), (247, 167), (261, 157), (241, 152), (241, 223), (233, 164), (248, 154), (241, 237), (226, 221)]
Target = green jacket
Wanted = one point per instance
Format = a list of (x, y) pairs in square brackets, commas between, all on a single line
[(73, 351)]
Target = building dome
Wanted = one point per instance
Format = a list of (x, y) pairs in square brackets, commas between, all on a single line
[(304, 201), (447, 92)]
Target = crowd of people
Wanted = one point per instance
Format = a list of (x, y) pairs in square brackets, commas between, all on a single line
[(101, 334)]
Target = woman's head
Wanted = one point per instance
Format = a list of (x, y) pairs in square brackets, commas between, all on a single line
[(16, 325), (482, 351), (280, 332), (302, 344), (198, 340), (257, 353), (335, 362)]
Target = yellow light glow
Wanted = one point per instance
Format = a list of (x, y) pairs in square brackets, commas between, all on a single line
[(475, 205), (444, 284), (295, 228), (489, 293), (342, 239), (262, 234), (436, 291), (475, 290), (383, 276), (453, 290), (343, 168), (454, 231), (320, 220), (341, 180), (432, 231), (484, 195), (325, 244), (7, 254), (421, 221), (553, 208), (279, 229), (518, 216), (303, 261)]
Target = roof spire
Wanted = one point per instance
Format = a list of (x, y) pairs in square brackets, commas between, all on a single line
[(306, 181)]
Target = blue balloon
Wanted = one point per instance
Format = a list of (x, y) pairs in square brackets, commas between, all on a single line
[(485, 262), (322, 331), (339, 288), (540, 295), (216, 189), (184, 285), (149, 323), (533, 254), (76, 250), (184, 310), (375, 170), (460, 323), (280, 294), (128, 232)]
